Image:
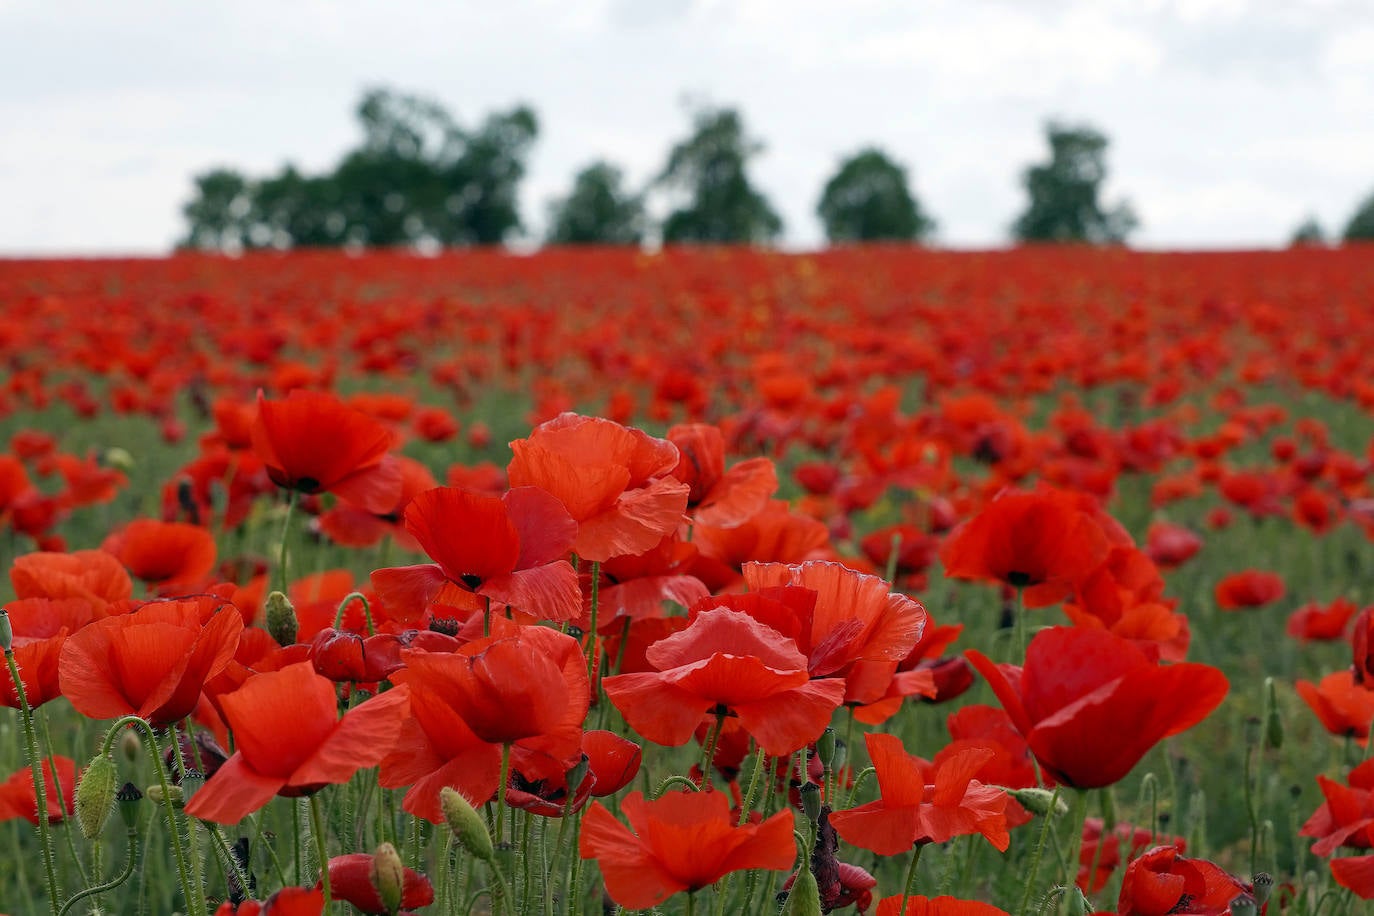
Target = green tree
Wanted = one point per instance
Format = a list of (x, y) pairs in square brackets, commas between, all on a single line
[(598, 210), (1308, 233), (868, 199), (1361, 225), (1064, 204), (417, 176), (709, 169)]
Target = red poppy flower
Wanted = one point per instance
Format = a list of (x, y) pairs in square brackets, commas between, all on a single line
[(1080, 684), (350, 880), (164, 554), (314, 443), (1346, 817), (616, 482), (508, 551), (640, 587), (991, 727), (922, 803), (1356, 874), (777, 534), (612, 761), (1362, 648), (1103, 854), (1164, 882), (720, 498), (1343, 705), (1314, 623), (917, 905), (289, 901), (683, 841), (152, 662), (40, 628), (18, 799), (289, 740), (526, 687), (353, 526), (1251, 588), (727, 660), (1171, 545), (1042, 541), (92, 575)]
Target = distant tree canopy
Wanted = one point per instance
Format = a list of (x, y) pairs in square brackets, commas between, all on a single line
[(868, 199), (1064, 193), (598, 210), (1361, 225), (1309, 232), (416, 177), (709, 169)]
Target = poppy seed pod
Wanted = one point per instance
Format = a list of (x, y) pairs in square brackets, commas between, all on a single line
[(95, 795), (128, 798), (388, 876), (466, 824), (281, 618)]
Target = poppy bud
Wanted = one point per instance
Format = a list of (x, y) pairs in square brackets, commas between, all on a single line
[(1263, 887), (1078, 903), (131, 746), (117, 458), (388, 876), (825, 747), (811, 801), (338, 655), (1273, 722), (804, 899), (466, 824), (174, 793), (1243, 905), (281, 618), (1039, 801), (95, 795), (6, 631), (128, 797)]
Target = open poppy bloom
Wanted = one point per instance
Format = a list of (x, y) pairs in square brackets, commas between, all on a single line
[(91, 575), (683, 841), (1346, 817), (616, 482), (507, 550), (1042, 541), (1313, 623), (522, 686), (1171, 545), (152, 662), (1080, 684), (40, 628), (314, 443), (1102, 853), (1163, 881), (720, 498), (354, 526), (163, 554), (1251, 588), (289, 740), (918, 905), (924, 803), (289, 901), (18, 799), (727, 661), (1344, 706)]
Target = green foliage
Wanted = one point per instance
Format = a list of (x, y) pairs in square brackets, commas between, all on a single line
[(1064, 204), (868, 199), (1361, 225), (416, 177), (1308, 233), (598, 210), (709, 167)]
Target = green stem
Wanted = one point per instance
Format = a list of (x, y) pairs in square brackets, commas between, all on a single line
[(760, 761), (1079, 818), (113, 882), (711, 740), (1033, 872), (1019, 624), (890, 573), (910, 877), (321, 846), (367, 611), (45, 744), (499, 832), (191, 890), (285, 536), (593, 671), (40, 788)]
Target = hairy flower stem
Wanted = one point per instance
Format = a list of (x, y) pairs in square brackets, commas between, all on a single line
[(1076, 821), (710, 754), (283, 580), (113, 883), (1033, 872), (367, 611), (40, 788), (593, 670), (911, 876), (321, 846)]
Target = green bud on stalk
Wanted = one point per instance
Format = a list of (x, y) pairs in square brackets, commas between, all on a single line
[(825, 748), (6, 631), (466, 824), (1273, 722), (1040, 801), (95, 795), (174, 793), (388, 875), (804, 899), (281, 619)]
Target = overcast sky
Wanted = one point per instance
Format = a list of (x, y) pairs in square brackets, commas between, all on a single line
[(1229, 120)]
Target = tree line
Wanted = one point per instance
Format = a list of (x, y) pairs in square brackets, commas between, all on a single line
[(418, 177)]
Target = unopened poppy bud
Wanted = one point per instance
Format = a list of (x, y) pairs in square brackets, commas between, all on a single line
[(1040, 801), (281, 619), (6, 630), (811, 801), (388, 876), (1263, 887), (131, 746), (1243, 905), (117, 457), (1253, 731), (466, 824), (95, 795), (128, 798), (804, 898), (156, 796), (1078, 903), (1273, 722), (825, 748)]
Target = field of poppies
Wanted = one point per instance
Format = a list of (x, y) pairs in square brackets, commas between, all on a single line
[(878, 580)]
